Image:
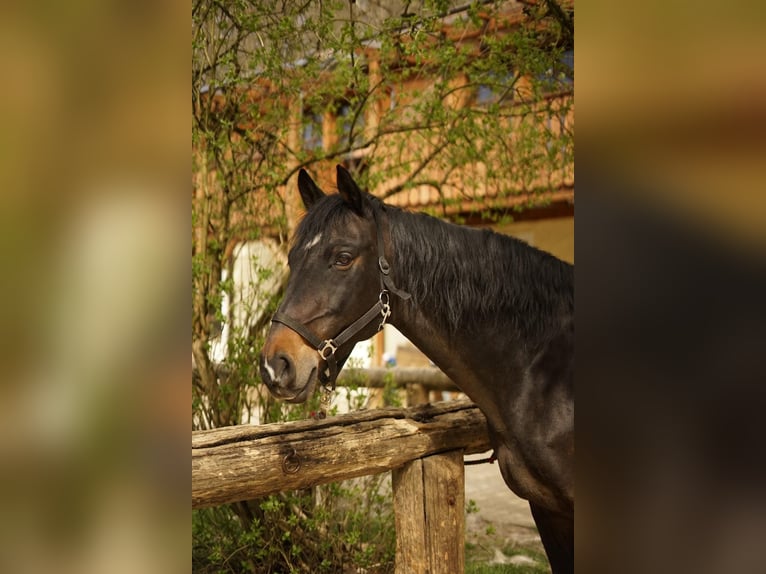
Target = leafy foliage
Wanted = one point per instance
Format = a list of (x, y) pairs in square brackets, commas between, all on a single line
[(326, 529)]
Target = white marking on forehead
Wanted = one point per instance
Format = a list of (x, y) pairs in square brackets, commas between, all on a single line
[(313, 242), (269, 370)]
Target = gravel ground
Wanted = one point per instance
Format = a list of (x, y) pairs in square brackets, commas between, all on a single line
[(503, 520)]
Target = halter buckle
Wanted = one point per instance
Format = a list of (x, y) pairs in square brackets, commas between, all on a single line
[(330, 345)]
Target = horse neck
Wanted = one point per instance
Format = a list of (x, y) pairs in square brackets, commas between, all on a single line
[(492, 327), (452, 355)]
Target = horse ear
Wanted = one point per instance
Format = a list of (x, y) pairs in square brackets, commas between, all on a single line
[(349, 190), (310, 192)]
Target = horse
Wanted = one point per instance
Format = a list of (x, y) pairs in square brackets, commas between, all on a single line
[(494, 313)]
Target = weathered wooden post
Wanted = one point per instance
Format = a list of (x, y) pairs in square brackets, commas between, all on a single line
[(417, 395), (429, 502)]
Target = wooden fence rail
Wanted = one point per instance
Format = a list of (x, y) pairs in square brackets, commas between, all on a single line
[(251, 461), (430, 378), (423, 446)]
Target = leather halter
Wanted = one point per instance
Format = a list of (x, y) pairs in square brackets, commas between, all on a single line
[(327, 347)]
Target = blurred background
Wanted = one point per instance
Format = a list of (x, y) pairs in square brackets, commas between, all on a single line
[(94, 399), (670, 277)]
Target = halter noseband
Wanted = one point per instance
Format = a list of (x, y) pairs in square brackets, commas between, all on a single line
[(327, 347)]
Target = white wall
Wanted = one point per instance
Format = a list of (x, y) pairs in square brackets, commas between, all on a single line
[(258, 269)]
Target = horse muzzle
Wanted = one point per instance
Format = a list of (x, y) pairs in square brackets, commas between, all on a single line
[(288, 367)]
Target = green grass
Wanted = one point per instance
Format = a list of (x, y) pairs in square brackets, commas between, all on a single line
[(481, 553), (503, 569), (540, 565)]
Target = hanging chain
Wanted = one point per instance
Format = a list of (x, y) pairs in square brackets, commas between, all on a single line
[(385, 307), (324, 402)]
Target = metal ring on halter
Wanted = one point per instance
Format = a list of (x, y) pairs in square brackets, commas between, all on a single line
[(385, 307), (327, 344)]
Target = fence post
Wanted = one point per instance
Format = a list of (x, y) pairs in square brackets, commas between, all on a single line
[(417, 395), (429, 503)]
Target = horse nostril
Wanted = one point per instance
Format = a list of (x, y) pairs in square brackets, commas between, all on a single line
[(284, 368), (278, 370)]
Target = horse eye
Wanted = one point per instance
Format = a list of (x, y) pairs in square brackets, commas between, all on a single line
[(343, 259)]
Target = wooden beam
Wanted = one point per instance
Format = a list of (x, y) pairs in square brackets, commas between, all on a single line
[(431, 378), (444, 489), (252, 461), (410, 517), (429, 502)]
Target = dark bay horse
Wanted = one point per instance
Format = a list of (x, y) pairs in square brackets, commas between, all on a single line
[(495, 314)]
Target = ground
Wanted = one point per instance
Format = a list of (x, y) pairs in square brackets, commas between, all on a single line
[(499, 526)]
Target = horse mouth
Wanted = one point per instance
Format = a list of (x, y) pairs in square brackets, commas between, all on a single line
[(302, 395)]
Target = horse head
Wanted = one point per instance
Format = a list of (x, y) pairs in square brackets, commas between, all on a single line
[(334, 285)]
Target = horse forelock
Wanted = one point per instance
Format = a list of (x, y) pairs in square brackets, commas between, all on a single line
[(328, 213)]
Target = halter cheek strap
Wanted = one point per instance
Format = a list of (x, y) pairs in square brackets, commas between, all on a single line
[(386, 283), (327, 347)]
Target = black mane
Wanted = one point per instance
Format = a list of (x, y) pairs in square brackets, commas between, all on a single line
[(460, 276)]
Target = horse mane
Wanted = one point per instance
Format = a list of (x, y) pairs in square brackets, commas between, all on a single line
[(462, 276)]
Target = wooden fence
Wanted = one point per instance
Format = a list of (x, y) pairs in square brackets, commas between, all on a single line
[(429, 378), (418, 382), (422, 446)]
